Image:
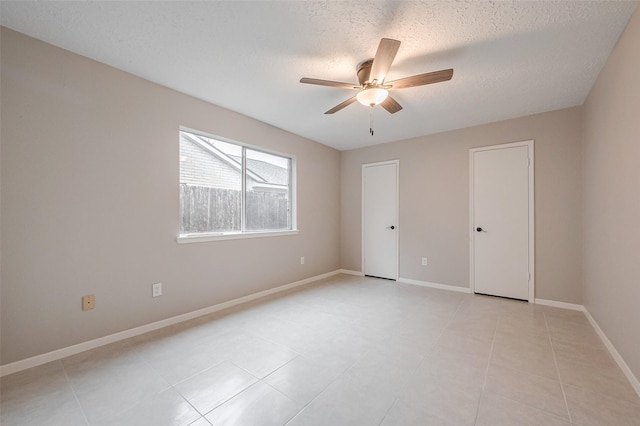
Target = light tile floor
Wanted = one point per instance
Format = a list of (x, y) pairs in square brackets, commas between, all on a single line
[(345, 351)]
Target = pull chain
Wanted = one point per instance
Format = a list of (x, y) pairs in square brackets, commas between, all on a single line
[(371, 120)]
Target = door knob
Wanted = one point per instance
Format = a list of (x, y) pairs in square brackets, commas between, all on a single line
[(391, 227), (480, 229)]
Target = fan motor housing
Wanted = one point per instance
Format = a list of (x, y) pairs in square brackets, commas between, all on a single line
[(364, 71)]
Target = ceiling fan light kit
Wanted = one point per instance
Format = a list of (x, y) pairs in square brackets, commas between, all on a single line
[(372, 96), (373, 90)]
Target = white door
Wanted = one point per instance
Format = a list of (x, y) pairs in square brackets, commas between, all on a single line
[(380, 219), (502, 220)]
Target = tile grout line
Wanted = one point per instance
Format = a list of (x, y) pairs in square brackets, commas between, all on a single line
[(284, 395), (326, 387), (169, 384), (555, 361), (341, 375), (258, 380), (303, 406), (75, 395), (402, 388), (424, 356), (435, 343), (144, 360), (486, 372), (329, 384)]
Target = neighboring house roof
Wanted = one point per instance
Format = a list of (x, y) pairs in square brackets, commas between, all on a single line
[(266, 171), (261, 174)]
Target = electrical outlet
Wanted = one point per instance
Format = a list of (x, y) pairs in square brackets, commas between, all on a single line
[(424, 261), (302, 260), (88, 302), (156, 289)]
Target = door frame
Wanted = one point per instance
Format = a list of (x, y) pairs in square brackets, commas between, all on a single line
[(397, 213), (529, 144)]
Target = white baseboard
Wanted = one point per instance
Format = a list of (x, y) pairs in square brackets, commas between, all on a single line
[(95, 343), (612, 350), (614, 353), (349, 272), (633, 380), (34, 361), (435, 285), (563, 305)]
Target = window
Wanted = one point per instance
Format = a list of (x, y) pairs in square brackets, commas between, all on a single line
[(228, 189)]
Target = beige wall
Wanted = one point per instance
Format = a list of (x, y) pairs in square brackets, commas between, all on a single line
[(434, 201), (611, 255), (90, 203)]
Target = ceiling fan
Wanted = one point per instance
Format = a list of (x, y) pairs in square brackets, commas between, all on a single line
[(373, 90)]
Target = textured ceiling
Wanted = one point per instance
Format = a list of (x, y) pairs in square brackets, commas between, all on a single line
[(510, 58)]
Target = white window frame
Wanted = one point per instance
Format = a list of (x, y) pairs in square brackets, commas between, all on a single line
[(236, 235)]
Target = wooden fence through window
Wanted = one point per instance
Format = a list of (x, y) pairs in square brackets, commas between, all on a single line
[(205, 209)]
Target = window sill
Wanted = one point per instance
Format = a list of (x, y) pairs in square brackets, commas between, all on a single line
[(201, 238)]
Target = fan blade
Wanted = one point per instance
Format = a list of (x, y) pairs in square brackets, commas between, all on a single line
[(391, 105), (387, 50), (342, 105), (421, 79), (328, 83)]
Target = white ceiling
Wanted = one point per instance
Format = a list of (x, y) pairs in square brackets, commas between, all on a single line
[(510, 58)]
